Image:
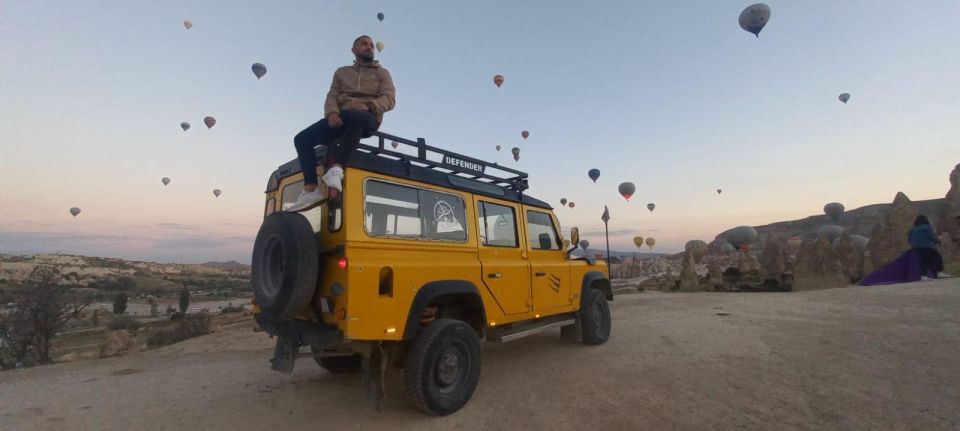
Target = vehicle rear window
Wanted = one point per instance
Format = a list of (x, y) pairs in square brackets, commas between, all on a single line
[(414, 213), (498, 225)]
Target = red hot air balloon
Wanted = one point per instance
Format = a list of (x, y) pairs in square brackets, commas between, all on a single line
[(210, 122), (627, 189), (525, 134), (498, 80), (572, 204)]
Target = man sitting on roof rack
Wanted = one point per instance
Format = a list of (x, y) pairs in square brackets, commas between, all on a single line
[(358, 97)]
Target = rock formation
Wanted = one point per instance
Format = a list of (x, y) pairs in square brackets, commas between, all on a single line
[(851, 258), (948, 222), (715, 273), (772, 261), (688, 274), (889, 238)]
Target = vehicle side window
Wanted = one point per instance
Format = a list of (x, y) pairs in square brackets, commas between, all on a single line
[(290, 194), (498, 225), (270, 207), (395, 210), (541, 233)]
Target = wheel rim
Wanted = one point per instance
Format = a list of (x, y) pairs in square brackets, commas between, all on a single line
[(451, 367), (274, 260)]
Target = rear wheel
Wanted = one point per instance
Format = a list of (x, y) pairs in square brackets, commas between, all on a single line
[(595, 318), (443, 366)]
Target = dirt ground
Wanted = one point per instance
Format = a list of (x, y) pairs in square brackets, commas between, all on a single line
[(851, 358)]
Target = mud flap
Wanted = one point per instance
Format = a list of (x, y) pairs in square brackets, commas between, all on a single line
[(284, 355), (374, 368)]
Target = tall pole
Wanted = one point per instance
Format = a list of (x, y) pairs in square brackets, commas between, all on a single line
[(606, 227)]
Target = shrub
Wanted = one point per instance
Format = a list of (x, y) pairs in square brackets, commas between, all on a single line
[(184, 299), (125, 322), (120, 304), (191, 326)]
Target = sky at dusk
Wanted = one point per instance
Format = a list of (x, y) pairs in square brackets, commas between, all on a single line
[(671, 95)]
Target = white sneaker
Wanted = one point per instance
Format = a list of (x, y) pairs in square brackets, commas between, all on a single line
[(306, 200), (334, 178), (924, 278), (942, 274)]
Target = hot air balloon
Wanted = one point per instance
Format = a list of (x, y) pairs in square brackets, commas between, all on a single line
[(829, 233), (719, 191), (627, 190), (187, 24), (727, 248), (651, 206), (696, 247), (165, 180), (259, 70), (834, 210), (498, 79), (216, 192), (650, 242), (572, 204), (844, 97), (516, 153), (638, 241), (184, 125), (563, 201), (379, 46), (742, 237), (394, 144), (75, 211), (210, 122), (525, 134), (584, 244), (498, 148), (754, 18), (593, 174), (380, 16)]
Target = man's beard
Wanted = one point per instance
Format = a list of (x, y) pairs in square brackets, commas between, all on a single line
[(365, 57)]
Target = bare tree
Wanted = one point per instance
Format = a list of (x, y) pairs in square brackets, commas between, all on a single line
[(43, 307)]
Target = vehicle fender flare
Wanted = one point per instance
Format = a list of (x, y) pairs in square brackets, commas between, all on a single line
[(435, 289), (598, 279)]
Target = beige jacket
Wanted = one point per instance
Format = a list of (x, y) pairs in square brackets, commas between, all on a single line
[(369, 84)]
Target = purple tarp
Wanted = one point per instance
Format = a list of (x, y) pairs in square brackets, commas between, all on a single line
[(903, 269)]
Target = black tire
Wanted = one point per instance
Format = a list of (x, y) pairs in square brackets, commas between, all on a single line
[(443, 366), (338, 364), (285, 264), (595, 318)]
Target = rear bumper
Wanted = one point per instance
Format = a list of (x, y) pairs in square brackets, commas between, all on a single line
[(300, 332)]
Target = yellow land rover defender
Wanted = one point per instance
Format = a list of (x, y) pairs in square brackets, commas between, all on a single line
[(423, 254)]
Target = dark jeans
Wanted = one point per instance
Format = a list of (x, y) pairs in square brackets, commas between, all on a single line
[(356, 125), (931, 262)]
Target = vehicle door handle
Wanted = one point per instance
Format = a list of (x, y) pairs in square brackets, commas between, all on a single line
[(494, 275), (540, 274)]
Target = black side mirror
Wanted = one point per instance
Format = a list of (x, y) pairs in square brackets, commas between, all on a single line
[(574, 240)]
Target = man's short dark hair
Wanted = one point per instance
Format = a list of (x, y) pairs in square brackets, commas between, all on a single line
[(361, 37)]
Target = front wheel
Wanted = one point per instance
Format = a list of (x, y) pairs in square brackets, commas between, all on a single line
[(595, 318), (443, 366)]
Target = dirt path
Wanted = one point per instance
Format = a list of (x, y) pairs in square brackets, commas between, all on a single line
[(854, 358)]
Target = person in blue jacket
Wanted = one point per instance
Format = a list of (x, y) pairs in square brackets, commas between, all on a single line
[(924, 241)]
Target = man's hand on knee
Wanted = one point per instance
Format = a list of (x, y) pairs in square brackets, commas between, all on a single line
[(334, 120)]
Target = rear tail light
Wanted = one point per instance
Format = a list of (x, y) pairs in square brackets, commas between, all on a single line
[(342, 263)]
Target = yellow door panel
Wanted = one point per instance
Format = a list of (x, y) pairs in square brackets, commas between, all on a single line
[(550, 273)]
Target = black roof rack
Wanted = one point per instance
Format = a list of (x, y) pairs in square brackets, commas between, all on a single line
[(451, 170), (469, 167)]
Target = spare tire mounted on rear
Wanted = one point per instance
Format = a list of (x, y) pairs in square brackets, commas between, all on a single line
[(285, 265)]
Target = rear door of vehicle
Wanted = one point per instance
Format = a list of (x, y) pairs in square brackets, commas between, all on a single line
[(503, 255)]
